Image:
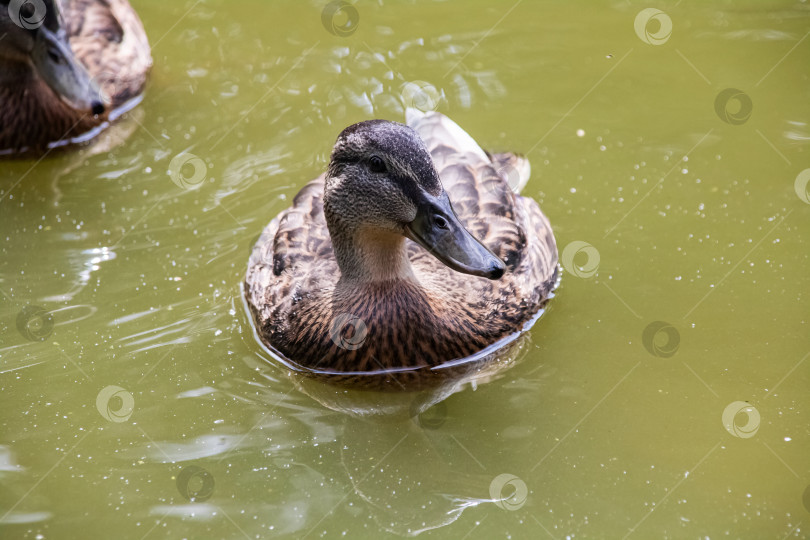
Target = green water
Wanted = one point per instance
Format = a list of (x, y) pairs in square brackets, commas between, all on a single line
[(691, 220)]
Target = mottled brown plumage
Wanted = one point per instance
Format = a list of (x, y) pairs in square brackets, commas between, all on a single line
[(107, 39), (307, 309)]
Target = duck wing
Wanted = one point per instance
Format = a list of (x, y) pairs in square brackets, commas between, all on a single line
[(296, 242), (109, 39)]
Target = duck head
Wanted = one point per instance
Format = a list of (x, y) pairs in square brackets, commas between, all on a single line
[(381, 186), (33, 40)]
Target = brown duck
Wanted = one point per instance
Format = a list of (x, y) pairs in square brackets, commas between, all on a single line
[(67, 67), (373, 269)]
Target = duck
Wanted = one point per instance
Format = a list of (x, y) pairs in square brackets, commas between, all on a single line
[(67, 68), (413, 250)]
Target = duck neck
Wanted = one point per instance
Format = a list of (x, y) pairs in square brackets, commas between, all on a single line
[(370, 255)]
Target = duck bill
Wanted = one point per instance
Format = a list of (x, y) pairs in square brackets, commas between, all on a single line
[(438, 229), (56, 64)]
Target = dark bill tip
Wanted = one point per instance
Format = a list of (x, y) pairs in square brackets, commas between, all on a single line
[(497, 270)]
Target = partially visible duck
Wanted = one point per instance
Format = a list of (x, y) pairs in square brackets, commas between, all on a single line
[(65, 67)]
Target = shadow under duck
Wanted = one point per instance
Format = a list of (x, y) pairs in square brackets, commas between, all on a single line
[(372, 270), (66, 68)]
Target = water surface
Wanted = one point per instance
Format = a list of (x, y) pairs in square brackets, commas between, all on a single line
[(682, 217)]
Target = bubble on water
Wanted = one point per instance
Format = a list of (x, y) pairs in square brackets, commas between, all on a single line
[(580, 133)]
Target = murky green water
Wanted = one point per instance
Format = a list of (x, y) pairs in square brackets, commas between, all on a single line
[(693, 220)]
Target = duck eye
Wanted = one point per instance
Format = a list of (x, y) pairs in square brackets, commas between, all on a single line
[(376, 164), (27, 10), (440, 222)]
